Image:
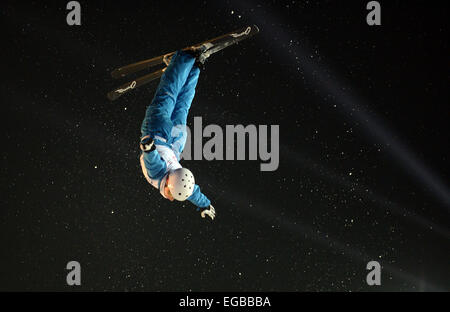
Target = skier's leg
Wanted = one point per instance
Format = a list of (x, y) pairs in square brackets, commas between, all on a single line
[(185, 97), (157, 121), (181, 110)]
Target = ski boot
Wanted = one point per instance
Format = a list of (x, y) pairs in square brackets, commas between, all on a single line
[(200, 53)]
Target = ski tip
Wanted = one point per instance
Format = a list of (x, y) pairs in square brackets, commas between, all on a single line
[(116, 73), (113, 95)]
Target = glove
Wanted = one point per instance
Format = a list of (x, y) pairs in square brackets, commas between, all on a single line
[(210, 212), (147, 144)]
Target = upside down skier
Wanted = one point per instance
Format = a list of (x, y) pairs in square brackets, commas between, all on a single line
[(163, 132)]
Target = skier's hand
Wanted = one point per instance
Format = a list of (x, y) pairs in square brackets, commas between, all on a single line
[(210, 212), (147, 144)]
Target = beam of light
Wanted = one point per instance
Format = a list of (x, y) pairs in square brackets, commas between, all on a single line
[(304, 231), (319, 170), (350, 104)]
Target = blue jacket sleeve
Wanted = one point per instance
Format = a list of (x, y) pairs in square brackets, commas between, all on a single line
[(156, 167), (198, 199)]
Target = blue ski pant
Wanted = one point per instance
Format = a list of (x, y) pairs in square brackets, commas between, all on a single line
[(166, 116)]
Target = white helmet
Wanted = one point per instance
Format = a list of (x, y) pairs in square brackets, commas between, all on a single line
[(181, 183)]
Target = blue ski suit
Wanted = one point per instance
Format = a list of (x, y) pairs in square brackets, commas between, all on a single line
[(165, 122)]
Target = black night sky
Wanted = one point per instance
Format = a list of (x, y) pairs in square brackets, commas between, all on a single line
[(364, 133)]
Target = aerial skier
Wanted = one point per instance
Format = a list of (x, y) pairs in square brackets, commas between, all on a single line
[(163, 133), (163, 130)]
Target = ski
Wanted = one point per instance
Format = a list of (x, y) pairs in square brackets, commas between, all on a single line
[(208, 47), (135, 67), (217, 44), (116, 93)]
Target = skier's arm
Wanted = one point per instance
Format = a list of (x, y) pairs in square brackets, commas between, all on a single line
[(155, 165), (199, 199), (202, 202)]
